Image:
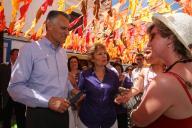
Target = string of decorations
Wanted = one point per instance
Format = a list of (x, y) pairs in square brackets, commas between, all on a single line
[(123, 31)]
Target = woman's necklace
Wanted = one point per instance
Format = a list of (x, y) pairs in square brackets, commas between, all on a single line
[(178, 61)]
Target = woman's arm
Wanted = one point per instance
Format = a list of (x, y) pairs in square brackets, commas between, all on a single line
[(136, 89), (139, 85), (155, 102)]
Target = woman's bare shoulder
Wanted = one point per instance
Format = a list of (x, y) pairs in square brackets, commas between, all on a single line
[(164, 84), (165, 79)]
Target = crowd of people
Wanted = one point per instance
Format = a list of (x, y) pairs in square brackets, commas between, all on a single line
[(44, 81)]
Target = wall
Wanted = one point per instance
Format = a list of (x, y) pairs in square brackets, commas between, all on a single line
[(10, 43)]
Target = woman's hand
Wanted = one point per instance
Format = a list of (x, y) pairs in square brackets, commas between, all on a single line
[(123, 97)]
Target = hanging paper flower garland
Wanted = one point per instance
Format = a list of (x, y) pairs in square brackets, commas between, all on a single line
[(123, 32)]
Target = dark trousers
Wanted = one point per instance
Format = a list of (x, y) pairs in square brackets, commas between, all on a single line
[(7, 114), (46, 118), (122, 120)]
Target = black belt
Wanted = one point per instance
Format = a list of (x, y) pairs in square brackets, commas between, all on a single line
[(41, 108)]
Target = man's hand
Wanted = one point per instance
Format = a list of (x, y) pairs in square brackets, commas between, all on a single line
[(58, 104)]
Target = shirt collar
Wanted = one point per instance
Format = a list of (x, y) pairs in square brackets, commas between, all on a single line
[(106, 70), (48, 43)]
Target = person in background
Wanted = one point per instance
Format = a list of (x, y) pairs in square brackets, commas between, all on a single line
[(74, 70), (146, 76), (139, 59), (110, 66), (148, 73), (168, 100), (122, 112), (40, 76), (84, 65), (134, 65), (128, 71), (100, 85), (118, 60), (8, 105)]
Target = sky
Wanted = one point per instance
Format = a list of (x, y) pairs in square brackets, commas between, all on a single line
[(174, 6)]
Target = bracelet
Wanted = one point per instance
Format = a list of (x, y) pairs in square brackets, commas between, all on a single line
[(132, 112), (132, 124)]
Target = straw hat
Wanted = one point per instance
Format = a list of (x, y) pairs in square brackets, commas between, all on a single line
[(180, 24)]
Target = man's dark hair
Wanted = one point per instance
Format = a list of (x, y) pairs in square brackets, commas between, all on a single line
[(54, 13), (139, 55), (134, 64), (13, 50), (130, 67)]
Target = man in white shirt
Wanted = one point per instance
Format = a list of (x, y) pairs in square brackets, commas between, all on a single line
[(139, 59)]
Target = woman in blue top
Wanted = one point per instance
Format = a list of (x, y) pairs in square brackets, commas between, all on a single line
[(100, 85)]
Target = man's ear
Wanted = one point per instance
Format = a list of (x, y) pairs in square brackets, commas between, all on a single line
[(49, 25)]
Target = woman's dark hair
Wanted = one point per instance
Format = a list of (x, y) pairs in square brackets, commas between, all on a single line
[(130, 67), (69, 60), (120, 65)]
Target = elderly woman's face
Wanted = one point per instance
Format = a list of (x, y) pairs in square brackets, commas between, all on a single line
[(158, 44), (100, 57), (148, 55), (150, 58)]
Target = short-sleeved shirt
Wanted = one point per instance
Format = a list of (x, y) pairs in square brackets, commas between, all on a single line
[(149, 75), (135, 74), (98, 107)]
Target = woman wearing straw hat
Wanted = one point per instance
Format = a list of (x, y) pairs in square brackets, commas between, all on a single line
[(168, 100)]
